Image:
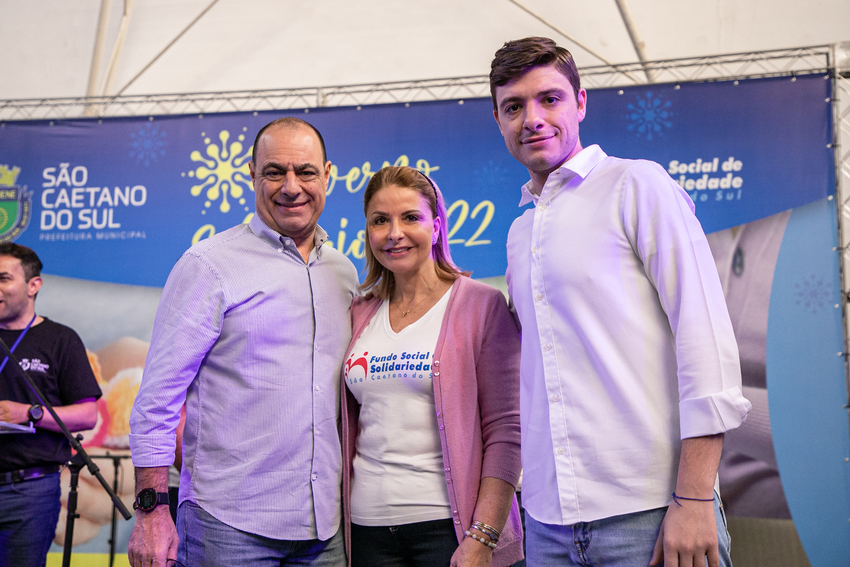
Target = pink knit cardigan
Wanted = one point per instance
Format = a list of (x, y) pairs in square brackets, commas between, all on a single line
[(476, 390)]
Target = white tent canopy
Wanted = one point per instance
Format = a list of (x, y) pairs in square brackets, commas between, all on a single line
[(180, 46)]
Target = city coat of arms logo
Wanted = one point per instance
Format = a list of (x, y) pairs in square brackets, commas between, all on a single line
[(15, 204)]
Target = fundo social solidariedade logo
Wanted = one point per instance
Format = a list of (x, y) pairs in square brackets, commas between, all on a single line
[(15, 204), (392, 365)]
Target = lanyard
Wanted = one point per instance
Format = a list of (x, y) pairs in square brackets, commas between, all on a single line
[(17, 342)]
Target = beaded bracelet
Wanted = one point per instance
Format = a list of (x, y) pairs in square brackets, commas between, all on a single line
[(677, 498), (490, 544), (487, 530)]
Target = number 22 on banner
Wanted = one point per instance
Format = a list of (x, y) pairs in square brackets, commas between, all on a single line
[(462, 208)]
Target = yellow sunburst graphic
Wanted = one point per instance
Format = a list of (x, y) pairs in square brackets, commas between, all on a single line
[(223, 173)]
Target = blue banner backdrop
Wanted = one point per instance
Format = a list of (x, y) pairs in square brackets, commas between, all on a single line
[(112, 202), (128, 196)]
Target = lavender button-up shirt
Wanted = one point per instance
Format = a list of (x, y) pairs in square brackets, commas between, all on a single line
[(253, 339)]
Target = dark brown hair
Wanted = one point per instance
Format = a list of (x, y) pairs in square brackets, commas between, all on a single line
[(518, 56), (29, 259), (379, 280)]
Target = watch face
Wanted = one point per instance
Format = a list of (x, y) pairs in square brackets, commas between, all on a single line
[(147, 499), (36, 413)]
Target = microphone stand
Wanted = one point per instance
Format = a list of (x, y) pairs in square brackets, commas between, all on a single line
[(76, 464)]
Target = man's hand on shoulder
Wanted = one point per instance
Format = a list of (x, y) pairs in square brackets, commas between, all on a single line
[(154, 538), (688, 535)]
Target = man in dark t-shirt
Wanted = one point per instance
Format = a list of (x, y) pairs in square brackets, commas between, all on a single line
[(54, 356)]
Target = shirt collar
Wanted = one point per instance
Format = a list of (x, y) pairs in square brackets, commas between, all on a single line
[(580, 165), (275, 239)]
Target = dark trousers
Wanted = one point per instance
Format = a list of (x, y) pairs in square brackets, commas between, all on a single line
[(421, 544), (29, 512)]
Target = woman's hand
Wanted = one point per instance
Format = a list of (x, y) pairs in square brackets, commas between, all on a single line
[(471, 553)]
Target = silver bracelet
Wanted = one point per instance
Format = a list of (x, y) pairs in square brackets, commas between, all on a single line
[(487, 530)]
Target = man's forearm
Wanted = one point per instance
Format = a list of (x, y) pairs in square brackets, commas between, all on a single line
[(76, 417), (152, 477), (698, 466)]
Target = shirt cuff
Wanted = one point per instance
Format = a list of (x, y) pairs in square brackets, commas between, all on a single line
[(152, 450), (710, 415)]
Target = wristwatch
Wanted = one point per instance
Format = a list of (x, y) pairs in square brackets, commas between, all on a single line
[(35, 413), (149, 498)]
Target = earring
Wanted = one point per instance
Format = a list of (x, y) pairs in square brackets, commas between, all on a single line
[(434, 241)]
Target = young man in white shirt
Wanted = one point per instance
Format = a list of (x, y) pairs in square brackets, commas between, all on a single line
[(630, 373)]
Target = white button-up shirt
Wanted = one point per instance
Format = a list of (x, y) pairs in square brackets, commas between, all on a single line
[(627, 346)]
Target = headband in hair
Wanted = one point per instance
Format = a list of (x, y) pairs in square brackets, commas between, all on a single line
[(431, 183)]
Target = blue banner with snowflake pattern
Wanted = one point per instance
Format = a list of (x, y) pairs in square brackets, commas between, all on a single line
[(743, 150), (118, 200)]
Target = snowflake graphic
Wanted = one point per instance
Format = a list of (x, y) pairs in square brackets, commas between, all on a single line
[(223, 173), (491, 175), (148, 144), (649, 116), (813, 293)]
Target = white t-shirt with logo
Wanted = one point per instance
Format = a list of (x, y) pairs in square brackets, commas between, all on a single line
[(398, 464)]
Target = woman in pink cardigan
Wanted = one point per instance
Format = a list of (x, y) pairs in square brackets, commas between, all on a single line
[(430, 410)]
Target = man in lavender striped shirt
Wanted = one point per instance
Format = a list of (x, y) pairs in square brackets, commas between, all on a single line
[(250, 331)]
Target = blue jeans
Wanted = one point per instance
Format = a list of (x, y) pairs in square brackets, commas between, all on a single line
[(619, 541), (29, 512), (521, 562), (206, 542), (421, 544)]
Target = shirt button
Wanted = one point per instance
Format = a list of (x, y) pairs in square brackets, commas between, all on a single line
[(542, 207), (547, 347), (314, 476), (555, 398), (457, 521), (534, 249), (441, 428), (561, 451), (538, 297), (448, 481), (448, 469), (287, 241), (454, 512), (318, 388), (436, 363), (439, 414), (437, 373)]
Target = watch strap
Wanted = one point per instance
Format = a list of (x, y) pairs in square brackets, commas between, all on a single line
[(35, 413)]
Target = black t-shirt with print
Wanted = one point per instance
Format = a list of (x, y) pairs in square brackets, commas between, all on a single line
[(55, 358)]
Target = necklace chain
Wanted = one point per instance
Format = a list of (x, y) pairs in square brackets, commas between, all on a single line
[(404, 313)]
